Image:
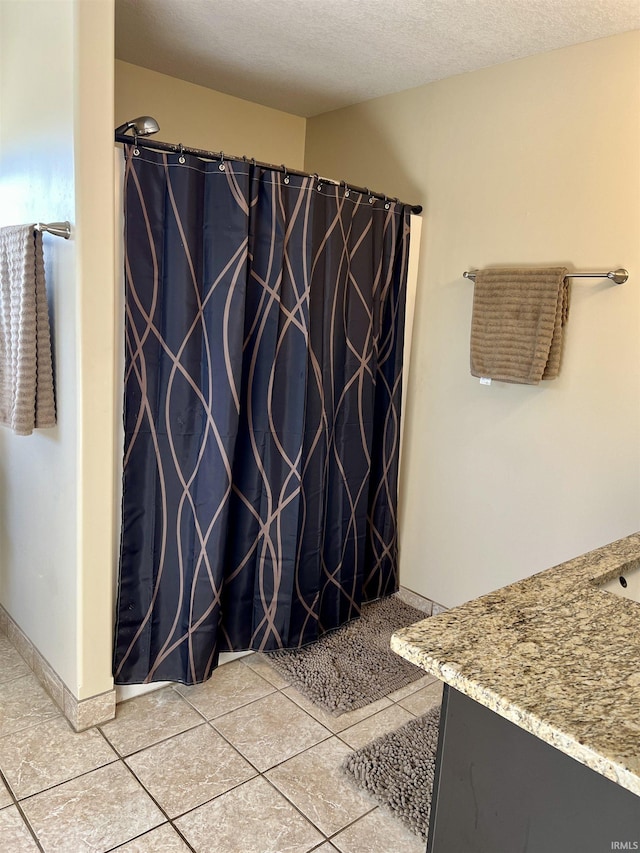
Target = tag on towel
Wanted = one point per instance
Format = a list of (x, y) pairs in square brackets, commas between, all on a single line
[(485, 380)]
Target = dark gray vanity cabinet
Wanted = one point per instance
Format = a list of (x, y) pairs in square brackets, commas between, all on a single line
[(500, 789)]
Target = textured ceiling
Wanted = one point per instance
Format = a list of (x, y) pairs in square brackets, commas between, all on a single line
[(310, 56)]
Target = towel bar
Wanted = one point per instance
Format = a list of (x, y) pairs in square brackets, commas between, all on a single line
[(58, 229), (616, 276)]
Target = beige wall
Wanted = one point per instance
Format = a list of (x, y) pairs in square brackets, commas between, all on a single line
[(56, 492), (202, 118), (37, 473), (96, 288), (533, 162)]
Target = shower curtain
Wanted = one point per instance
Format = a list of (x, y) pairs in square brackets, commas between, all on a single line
[(263, 368)]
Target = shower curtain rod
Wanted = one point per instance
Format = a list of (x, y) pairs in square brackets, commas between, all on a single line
[(156, 145)]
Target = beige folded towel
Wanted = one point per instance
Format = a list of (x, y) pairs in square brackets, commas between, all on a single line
[(26, 376), (517, 323)]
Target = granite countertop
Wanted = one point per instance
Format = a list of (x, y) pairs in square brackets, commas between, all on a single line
[(553, 654)]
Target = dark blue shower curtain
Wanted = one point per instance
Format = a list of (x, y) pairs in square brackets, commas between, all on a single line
[(264, 334)]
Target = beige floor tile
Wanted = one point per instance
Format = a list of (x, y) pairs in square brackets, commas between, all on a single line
[(5, 796), (12, 664), (24, 703), (190, 769), (314, 782), (93, 813), (231, 686), (424, 700), (378, 831), (253, 818), (398, 695), (373, 727), (50, 753), (330, 721), (326, 848), (164, 839), (14, 835), (270, 730), (260, 663), (148, 719)]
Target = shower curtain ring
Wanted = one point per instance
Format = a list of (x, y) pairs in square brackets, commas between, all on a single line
[(347, 191), (371, 198), (286, 174), (181, 158), (136, 150), (387, 203), (221, 165)]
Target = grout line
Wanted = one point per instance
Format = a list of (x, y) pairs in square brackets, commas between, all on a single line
[(284, 760), (325, 837), (149, 794), (6, 681), (34, 725), (168, 820), (221, 794), (235, 749), (162, 810), (29, 827), (258, 774), (163, 739), (297, 755), (9, 789), (273, 689), (375, 807), (243, 705), (114, 760), (183, 837), (211, 799), (148, 832), (20, 811)]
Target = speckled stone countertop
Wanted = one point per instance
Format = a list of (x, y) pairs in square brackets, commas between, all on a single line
[(553, 654)]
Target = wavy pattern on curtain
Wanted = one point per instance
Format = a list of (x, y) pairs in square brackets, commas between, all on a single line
[(264, 332)]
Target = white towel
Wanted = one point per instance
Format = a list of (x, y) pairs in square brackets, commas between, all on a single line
[(26, 375)]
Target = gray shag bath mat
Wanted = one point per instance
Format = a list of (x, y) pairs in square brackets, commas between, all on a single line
[(397, 769), (353, 666)]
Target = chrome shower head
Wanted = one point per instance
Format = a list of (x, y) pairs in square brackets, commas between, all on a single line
[(141, 126)]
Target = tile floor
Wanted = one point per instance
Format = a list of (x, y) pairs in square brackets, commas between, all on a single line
[(241, 764)]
